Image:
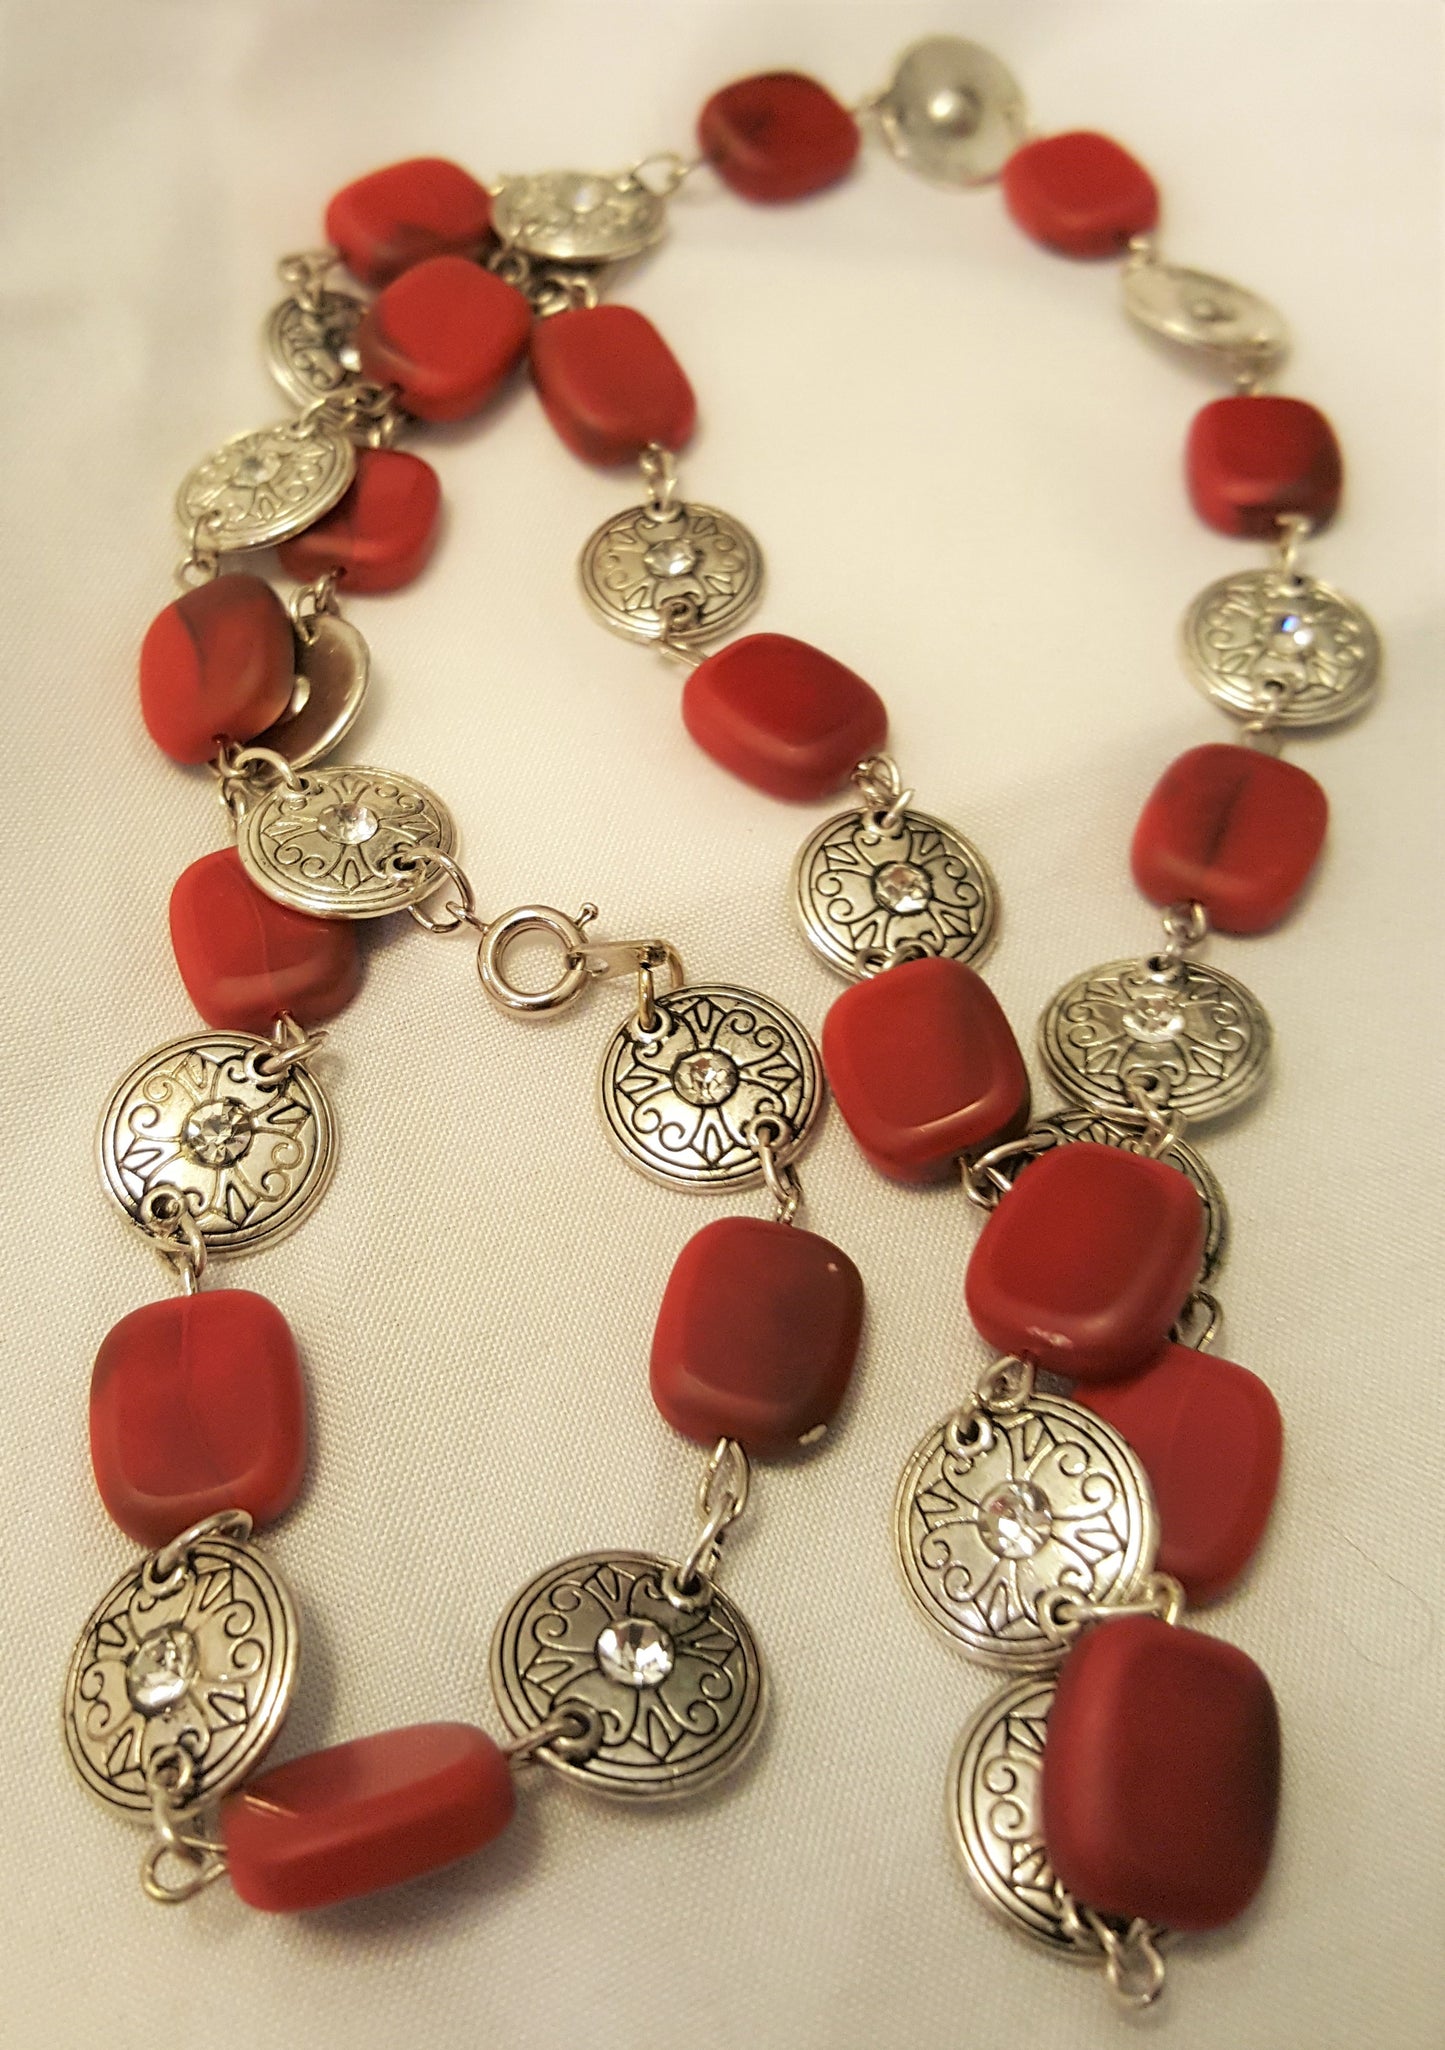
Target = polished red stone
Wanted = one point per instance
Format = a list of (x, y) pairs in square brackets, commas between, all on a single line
[(1234, 830), (1079, 193), (756, 1335), (1252, 459), (392, 218), (364, 1815), (381, 531), (445, 333), (217, 664), (1161, 1774), (245, 959), (196, 1405), (777, 136), (924, 1067), (1087, 1261), (609, 384), (1210, 1438), (782, 715)]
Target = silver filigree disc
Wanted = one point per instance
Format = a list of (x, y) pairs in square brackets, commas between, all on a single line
[(1208, 314), (262, 487), (1065, 1126), (310, 350), (868, 897), (333, 668), (1191, 1036), (692, 574), (248, 1153), (346, 842), (953, 112), (1262, 642), (1049, 1497), (204, 1659), (578, 216), (675, 1718), (680, 1102)]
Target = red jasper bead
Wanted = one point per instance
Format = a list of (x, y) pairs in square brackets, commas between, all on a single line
[(1080, 193), (1234, 830), (364, 1815), (782, 715), (1210, 1438), (924, 1066), (398, 216), (445, 333), (1087, 1261), (777, 136), (218, 664), (244, 958), (196, 1405), (609, 384), (1251, 460), (757, 1334), (1161, 1774), (381, 531)]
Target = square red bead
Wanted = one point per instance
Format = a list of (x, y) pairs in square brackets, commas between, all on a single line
[(446, 333), (783, 716), (779, 135), (1234, 830), (1079, 193), (1251, 460), (392, 218)]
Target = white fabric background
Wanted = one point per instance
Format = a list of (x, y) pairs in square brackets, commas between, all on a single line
[(964, 468)]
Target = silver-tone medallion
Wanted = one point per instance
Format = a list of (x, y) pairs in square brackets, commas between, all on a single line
[(1015, 1506), (1063, 1127), (690, 573), (347, 842), (868, 896), (1205, 313), (248, 1151), (262, 487), (1265, 643), (953, 112), (578, 216), (1183, 1034), (678, 1685), (201, 1658), (311, 349), (682, 1102), (333, 667)]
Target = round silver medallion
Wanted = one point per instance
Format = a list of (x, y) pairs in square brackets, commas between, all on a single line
[(678, 1688), (681, 1102), (578, 216), (346, 843), (311, 350), (333, 667), (1186, 1034), (1046, 1497), (1063, 1127), (867, 897), (262, 487), (249, 1153), (1263, 642), (1205, 313), (202, 1659), (692, 573), (953, 113)]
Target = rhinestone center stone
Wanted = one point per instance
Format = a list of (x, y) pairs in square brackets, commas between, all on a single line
[(901, 887), (216, 1133), (707, 1077), (161, 1669), (1015, 1520), (636, 1652), (351, 822), (677, 557)]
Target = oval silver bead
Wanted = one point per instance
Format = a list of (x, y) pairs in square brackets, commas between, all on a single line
[(1210, 315)]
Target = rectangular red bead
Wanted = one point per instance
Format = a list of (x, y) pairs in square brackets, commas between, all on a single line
[(609, 384), (782, 715), (1257, 457), (1234, 830)]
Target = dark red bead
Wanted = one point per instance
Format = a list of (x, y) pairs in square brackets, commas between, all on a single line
[(757, 1334), (1251, 460), (365, 1815), (782, 715), (218, 664), (1161, 1774), (1080, 193), (1087, 1261), (924, 1067), (196, 1405), (1210, 1438), (1234, 830), (445, 333), (777, 136), (245, 959), (609, 384), (393, 218), (380, 533)]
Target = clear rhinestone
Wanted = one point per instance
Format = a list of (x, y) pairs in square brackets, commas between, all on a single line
[(1290, 627), (1015, 1520), (161, 1669), (901, 887), (706, 1077), (674, 558), (637, 1652), (587, 195), (255, 469), (351, 822), (216, 1133)]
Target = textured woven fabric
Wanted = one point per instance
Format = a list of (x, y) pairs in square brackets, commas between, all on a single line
[(966, 471)]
